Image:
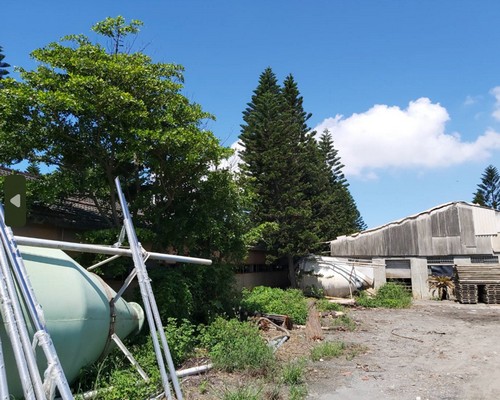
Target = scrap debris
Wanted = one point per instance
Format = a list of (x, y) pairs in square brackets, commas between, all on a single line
[(313, 324)]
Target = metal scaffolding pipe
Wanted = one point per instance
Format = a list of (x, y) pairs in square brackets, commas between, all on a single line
[(94, 248)]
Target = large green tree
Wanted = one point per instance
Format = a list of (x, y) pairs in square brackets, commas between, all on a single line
[(488, 191), (93, 111)]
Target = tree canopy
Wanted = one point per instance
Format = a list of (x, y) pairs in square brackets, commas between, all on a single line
[(91, 113), (488, 191)]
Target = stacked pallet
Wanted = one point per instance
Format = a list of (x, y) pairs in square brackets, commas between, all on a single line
[(477, 282), (490, 294), (466, 294)]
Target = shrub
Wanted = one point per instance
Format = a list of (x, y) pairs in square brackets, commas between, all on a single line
[(390, 295), (442, 284), (264, 299), (181, 339), (234, 345), (193, 292)]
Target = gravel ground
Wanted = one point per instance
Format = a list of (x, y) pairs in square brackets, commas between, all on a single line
[(434, 350)]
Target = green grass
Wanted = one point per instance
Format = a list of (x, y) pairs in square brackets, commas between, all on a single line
[(243, 393), (344, 322), (323, 305), (390, 295), (298, 392), (293, 372), (327, 350)]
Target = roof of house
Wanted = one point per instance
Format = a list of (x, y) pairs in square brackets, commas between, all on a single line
[(415, 216), (455, 228), (72, 212)]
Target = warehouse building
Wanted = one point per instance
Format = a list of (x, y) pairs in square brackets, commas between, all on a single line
[(428, 243)]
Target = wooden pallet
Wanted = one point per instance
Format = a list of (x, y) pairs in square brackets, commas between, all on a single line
[(479, 274), (477, 282), (490, 294)]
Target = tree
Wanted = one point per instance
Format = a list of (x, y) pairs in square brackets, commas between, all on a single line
[(284, 170), (345, 217), (93, 114), (300, 195), (488, 191), (3, 65), (332, 159)]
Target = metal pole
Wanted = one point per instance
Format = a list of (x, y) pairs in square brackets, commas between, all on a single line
[(142, 277), (148, 297), (130, 357), (19, 346), (92, 248), (4, 389), (35, 310)]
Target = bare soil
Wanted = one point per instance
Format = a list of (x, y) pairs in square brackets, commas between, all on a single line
[(434, 350)]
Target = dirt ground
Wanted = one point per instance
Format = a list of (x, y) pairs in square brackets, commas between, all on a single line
[(434, 350)]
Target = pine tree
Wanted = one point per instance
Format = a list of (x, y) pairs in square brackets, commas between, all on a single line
[(332, 158), (261, 119), (290, 175), (3, 65), (488, 191), (345, 217), (276, 141)]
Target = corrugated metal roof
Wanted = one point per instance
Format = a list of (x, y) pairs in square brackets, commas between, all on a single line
[(484, 212)]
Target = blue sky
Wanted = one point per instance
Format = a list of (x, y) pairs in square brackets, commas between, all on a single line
[(407, 87)]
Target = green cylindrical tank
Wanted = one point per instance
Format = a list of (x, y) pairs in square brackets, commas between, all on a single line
[(76, 305)]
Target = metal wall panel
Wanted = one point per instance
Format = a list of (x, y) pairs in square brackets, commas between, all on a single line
[(467, 231), (424, 236), (484, 245), (485, 221)]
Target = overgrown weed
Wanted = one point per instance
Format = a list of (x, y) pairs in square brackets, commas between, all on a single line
[(263, 299), (237, 346), (390, 295)]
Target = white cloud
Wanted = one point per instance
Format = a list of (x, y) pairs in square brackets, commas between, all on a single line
[(232, 163), (469, 100), (387, 137), (496, 93)]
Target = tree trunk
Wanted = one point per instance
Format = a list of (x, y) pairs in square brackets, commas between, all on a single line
[(291, 271)]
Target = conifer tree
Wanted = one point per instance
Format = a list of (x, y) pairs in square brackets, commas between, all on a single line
[(297, 184), (3, 65), (488, 191), (346, 218), (261, 119), (332, 158)]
